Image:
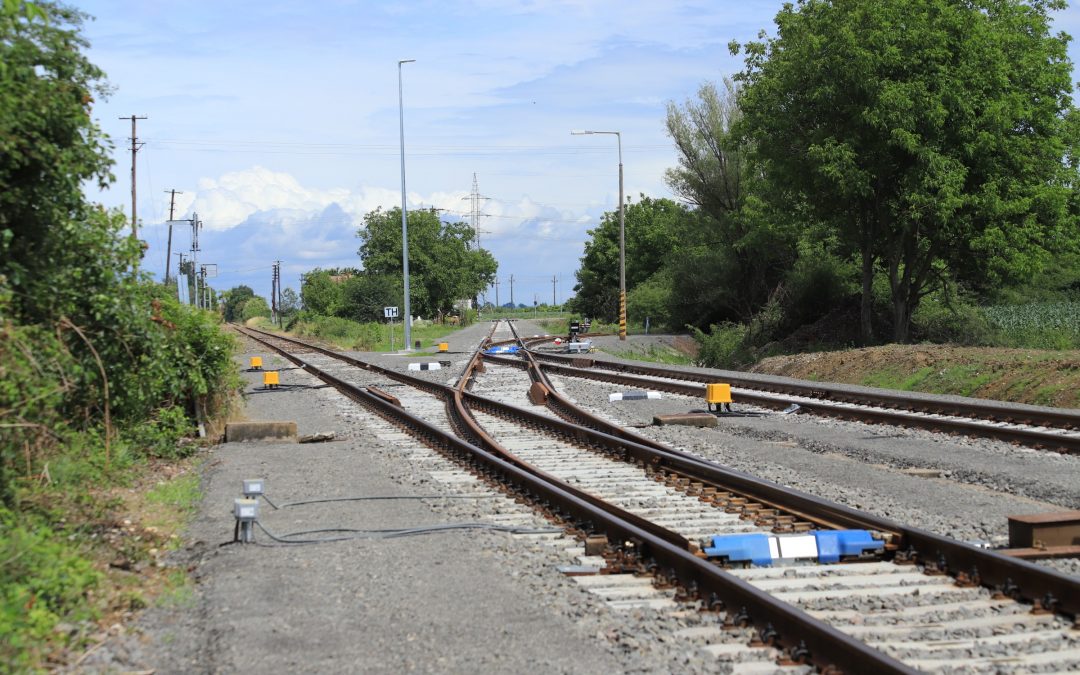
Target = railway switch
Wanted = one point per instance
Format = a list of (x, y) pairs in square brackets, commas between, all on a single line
[(444, 346), (718, 394), (256, 363), (246, 512), (271, 379)]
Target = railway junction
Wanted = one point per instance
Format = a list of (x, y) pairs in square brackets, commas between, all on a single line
[(501, 512)]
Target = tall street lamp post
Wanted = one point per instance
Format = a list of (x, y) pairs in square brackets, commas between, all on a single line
[(404, 223), (622, 232)]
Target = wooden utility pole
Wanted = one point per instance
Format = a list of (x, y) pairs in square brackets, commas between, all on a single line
[(496, 293), (172, 209), (135, 145), (554, 280), (512, 305)]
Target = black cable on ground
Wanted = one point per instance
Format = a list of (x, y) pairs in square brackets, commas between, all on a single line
[(400, 532), (379, 498)]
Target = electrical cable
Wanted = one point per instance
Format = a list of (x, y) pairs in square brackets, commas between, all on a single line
[(395, 533), (379, 498)]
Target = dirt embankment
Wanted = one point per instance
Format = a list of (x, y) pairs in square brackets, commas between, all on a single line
[(1018, 375)]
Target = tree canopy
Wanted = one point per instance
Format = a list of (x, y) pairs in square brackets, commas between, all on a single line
[(934, 140), (232, 302), (651, 228), (49, 147), (444, 267), (319, 293)]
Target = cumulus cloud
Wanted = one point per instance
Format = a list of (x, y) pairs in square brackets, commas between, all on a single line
[(257, 215)]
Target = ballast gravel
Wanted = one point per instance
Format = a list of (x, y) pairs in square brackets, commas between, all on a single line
[(482, 601)]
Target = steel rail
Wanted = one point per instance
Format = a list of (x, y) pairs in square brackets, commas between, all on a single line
[(811, 640), (899, 415), (1018, 578), (1021, 414)]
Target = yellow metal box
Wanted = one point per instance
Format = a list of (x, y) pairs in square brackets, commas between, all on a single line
[(444, 346), (256, 363), (717, 393), (270, 378)]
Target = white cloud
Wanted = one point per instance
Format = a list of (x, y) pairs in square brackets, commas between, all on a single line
[(226, 202)]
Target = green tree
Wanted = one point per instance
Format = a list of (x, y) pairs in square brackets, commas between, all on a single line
[(365, 295), (49, 148), (735, 255), (319, 293), (444, 267), (932, 138), (256, 306), (233, 301), (290, 303), (652, 228)]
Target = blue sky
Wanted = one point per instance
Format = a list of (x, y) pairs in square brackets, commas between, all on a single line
[(279, 120)]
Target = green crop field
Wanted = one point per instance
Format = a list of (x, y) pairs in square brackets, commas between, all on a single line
[(1039, 316)]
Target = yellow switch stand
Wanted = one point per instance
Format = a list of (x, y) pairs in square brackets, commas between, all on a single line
[(270, 379), (256, 363)]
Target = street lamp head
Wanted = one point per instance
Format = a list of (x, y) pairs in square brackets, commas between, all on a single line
[(406, 61), (580, 132)]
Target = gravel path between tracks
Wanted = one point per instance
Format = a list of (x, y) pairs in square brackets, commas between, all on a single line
[(485, 601)]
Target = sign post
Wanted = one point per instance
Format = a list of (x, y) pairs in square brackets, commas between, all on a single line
[(391, 314)]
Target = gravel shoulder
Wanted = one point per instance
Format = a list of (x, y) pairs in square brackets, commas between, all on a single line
[(447, 602)]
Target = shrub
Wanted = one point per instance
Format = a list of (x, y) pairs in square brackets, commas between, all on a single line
[(43, 582), (956, 322), (651, 299), (816, 285), (254, 307), (724, 346)]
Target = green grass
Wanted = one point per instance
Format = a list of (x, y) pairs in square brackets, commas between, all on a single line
[(178, 592), (961, 380), (180, 497), (370, 337), (654, 354)]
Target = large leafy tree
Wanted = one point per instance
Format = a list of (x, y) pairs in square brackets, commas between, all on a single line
[(934, 137), (319, 293), (736, 253), (49, 147), (232, 302), (365, 295), (444, 267), (652, 227)]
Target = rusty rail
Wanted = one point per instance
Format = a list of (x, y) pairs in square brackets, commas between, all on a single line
[(898, 410)]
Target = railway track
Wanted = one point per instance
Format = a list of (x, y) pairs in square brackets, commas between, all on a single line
[(1025, 425), (922, 603)]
